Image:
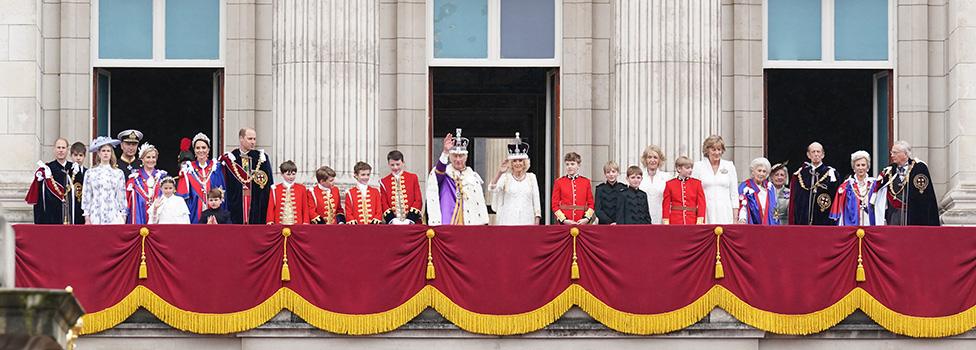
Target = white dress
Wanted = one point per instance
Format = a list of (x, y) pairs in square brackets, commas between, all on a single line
[(654, 187), (103, 195), (172, 210), (516, 202), (721, 190)]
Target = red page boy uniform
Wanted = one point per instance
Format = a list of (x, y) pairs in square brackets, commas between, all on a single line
[(328, 206), (402, 199), (572, 199), (684, 201), (289, 204), (364, 205)]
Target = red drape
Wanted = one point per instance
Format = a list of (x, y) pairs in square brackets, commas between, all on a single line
[(919, 281)]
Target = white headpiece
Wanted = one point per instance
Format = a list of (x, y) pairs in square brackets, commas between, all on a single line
[(146, 147), (200, 136), (100, 141)]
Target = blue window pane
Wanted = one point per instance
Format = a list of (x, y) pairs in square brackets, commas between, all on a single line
[(861, 30), (461, 28), (192, 29), (794, 29), (528, 28), (125, 29)]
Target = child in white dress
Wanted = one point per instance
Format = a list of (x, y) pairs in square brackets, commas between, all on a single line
[(170, 209)]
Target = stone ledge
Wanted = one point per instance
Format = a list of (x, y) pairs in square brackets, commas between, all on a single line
[(574, 324)]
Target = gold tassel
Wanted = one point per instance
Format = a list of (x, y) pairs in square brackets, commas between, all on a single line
[(719, 271), (285, 272), (859, 275), (574, 273), (143, 271), (430, 257), (430, 270)]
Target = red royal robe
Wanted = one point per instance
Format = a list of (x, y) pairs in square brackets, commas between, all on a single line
[(401, 197), (364, 208), (328, 206), (289, 205)]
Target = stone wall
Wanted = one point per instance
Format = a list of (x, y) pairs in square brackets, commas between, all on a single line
[(575, 330)]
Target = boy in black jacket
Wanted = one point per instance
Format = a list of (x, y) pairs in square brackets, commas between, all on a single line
[(608, 194), (632, 208)]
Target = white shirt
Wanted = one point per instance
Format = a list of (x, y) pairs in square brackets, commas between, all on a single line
[(721, 190), (172, 210), (654, 187), (516, 202)]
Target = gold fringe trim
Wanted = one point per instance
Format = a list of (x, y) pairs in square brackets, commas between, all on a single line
[(284, 298), (504, 324), (644, 324), (641, 324)]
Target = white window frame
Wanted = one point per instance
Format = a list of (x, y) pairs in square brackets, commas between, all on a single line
[(159, 43), (827, 42), (494, 42)]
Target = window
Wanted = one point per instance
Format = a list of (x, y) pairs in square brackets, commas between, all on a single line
[(494, 32), (158, 33), (828, 34)]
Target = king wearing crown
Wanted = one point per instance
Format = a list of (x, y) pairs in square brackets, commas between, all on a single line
[(454, 191)]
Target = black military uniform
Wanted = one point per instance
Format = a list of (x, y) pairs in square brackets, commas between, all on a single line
[(908, 195), (812, 194), (607, 201), (128, 166), (632, 209)]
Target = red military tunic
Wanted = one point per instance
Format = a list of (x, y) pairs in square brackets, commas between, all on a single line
[(401, 197), (364, 208), (328, 206), (572, 198), (684, 202), (289, 205)]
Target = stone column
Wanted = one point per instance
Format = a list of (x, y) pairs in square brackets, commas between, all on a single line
[(325, 72), (960, 199), (667, 77)]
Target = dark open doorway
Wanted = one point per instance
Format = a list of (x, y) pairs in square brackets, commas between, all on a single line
[(491, 105), (166, 104), (845, 110)]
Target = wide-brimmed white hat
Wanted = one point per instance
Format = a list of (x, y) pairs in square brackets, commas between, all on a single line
[(100, 141)]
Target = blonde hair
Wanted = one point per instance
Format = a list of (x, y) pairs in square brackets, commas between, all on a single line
[(647, 154), (611, 165), (683, 161), (713, 141)]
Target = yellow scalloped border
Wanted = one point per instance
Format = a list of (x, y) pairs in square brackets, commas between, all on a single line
[(642, 324)]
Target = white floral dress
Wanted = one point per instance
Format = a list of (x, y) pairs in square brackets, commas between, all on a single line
[(103, 195), (516, 202)]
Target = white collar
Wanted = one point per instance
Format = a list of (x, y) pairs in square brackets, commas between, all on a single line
[(323, 187), (362, 187), (397, 174), (287, 184)]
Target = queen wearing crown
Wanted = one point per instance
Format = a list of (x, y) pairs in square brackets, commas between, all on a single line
[(454, 190), (515, 191)]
